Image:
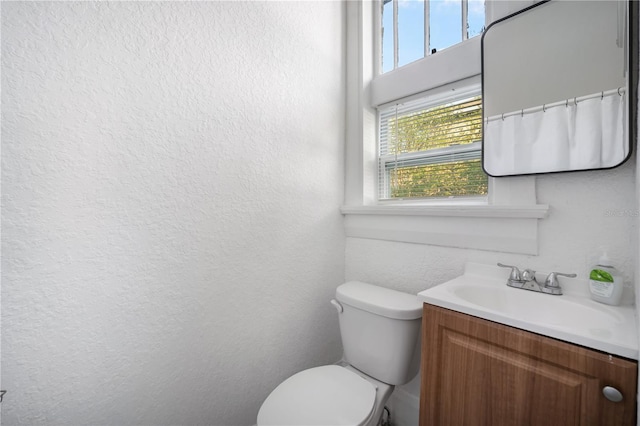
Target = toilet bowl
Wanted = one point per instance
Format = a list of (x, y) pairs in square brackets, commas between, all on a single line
[(379, 329)]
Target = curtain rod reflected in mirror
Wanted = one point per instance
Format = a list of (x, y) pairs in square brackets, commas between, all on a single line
[(619, 91)]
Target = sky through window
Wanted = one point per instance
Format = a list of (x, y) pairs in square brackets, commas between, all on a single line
[(445, 27)]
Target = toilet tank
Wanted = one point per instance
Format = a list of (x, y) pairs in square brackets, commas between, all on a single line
[(380, 331)]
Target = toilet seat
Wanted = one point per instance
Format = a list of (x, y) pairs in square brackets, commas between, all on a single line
[(327, 395)]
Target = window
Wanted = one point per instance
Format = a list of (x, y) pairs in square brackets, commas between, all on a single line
[(414, 29), (504, 220), (431, 149)]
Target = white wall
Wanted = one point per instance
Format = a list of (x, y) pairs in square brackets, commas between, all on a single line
[(171, 180), (588, 210)]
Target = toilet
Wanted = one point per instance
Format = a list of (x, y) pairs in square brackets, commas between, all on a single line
[(380, 331)]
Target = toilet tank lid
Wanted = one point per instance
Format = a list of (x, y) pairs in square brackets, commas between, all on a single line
[(379, 300)]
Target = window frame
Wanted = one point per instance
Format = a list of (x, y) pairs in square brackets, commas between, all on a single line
[(454, 69), (464, 30), (507, 221)]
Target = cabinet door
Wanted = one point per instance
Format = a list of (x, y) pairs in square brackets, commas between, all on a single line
[(476, 372)]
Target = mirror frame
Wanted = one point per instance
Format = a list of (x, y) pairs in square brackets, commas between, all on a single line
[(632, 89)]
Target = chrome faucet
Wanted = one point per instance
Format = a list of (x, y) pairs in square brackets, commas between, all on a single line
[(526, 280)]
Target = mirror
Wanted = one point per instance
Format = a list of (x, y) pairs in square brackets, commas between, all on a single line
[(556, 89)]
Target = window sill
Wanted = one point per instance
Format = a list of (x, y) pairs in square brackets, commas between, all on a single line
[(536, 211), (502, 228)]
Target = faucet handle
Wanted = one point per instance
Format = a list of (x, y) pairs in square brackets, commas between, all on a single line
[(552, 281), (515, 272)]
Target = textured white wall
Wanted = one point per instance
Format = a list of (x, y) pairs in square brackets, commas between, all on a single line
[(588, 210), (171, 180)]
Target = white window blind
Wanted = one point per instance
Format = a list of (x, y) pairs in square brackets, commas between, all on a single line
[(431, 148)]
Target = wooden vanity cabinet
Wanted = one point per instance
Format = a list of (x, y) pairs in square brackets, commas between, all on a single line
[(477, 372)]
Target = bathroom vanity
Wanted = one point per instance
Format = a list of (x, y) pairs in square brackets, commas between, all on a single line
[(488, 359)]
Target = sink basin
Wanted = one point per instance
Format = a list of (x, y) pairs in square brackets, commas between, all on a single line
[(538, 308), (572, 317)]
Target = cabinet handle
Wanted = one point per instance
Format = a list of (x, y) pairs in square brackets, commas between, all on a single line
[(612, 394)]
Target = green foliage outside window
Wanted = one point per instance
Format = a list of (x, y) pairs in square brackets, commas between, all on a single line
[(438, 128), (439, 180)]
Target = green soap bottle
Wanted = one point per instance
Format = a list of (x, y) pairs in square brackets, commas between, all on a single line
[(605, 282)]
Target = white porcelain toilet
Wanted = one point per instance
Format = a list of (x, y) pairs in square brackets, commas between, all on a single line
[(380, 332)]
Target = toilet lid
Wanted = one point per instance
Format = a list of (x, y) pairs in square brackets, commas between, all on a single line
[(327, 395)]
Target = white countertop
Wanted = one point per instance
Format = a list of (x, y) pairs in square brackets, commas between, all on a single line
[(572, 317)]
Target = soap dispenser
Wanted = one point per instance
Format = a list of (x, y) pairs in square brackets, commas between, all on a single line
[(605, 282)]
